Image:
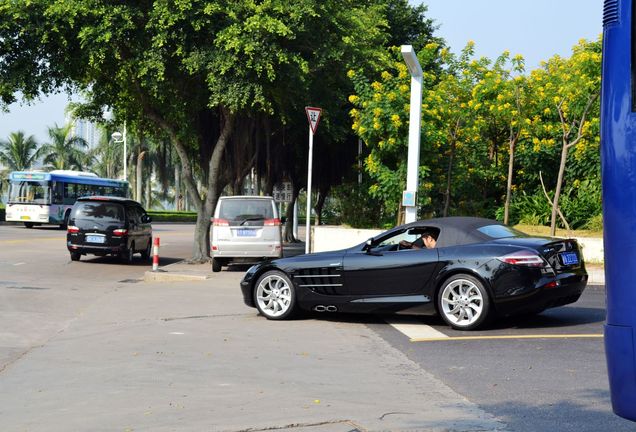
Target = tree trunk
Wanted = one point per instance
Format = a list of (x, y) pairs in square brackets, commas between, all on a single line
[(139, 171), (449, 178), (557, 191), (204, 209), (511, 163), (288, 235), (148, 192), (320, 203)]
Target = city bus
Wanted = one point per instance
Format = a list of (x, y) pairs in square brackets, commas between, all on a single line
[(37, 198)]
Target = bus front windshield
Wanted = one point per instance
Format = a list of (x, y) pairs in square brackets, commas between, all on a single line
[(29, 192)]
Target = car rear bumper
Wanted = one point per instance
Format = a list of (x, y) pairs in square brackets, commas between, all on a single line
[(247, 250), (94, 249), (568, 289)]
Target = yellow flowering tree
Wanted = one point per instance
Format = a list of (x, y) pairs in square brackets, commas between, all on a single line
[(568, 93), (380, 118)]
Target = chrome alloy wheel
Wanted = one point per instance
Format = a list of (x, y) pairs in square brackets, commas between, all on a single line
[(273, 295), (462, 302)]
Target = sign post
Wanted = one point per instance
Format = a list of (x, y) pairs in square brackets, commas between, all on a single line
[(313, 117)]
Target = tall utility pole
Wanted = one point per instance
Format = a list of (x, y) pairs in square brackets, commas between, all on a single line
[(409, 197)]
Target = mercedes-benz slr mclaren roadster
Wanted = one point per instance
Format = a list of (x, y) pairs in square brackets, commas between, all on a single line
[(477, 270)]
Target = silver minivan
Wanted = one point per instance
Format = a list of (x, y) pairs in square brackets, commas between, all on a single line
[(245, 229)]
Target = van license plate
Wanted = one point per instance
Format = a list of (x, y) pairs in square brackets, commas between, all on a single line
[(569, 258), (246, 233), (94, 239)]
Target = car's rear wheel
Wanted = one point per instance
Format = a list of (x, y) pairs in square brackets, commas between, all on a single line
[(128, 254), (217, 265), (75, 256), (275, 296), (463, 302), (148, 252)]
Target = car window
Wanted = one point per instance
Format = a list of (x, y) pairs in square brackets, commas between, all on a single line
[(104, 212), (246, 209), (500, 231), (398, 237)]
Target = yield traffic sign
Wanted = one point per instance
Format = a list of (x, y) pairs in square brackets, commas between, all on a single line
[(313, 116)]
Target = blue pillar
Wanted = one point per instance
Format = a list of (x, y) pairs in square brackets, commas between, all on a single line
[(618, 166)]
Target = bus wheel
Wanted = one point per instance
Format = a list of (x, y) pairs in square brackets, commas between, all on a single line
[(28, 224)]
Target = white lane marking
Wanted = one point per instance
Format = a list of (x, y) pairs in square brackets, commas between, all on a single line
[(414, 329), (20, 263), (176, 333)]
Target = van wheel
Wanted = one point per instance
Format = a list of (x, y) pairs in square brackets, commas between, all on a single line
[(75, 256), (148, 252), (217, 265), (28, 224), (127, 255)]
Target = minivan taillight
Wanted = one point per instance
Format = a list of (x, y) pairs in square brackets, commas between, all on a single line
[(272, 222), (220, 222), (524, 258), (72, 229), (120, 232)]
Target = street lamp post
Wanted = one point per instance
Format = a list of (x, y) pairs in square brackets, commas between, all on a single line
[(409, 197), (119, 137)]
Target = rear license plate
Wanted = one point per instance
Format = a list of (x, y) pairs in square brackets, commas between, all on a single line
[(25, 217), (569, 258), (246, 233), (95, 239)]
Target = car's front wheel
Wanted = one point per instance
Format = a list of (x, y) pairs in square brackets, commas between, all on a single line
[(463, 302), (275, 296), (127, 255), (146, 254)]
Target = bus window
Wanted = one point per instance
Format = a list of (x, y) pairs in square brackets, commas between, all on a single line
[(29, 192)]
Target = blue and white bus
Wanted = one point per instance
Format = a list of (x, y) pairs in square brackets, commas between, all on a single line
[(37, 198)]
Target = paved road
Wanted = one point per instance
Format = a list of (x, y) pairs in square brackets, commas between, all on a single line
[(86, 346)]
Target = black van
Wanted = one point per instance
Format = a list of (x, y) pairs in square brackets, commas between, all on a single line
[(101, 225)]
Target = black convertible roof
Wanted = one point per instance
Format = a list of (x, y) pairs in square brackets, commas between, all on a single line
[(456, 230)]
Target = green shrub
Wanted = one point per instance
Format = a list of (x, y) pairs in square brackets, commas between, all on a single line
[(595, 223), (172, 216)]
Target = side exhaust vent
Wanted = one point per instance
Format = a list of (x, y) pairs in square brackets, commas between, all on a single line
[(610, 12)]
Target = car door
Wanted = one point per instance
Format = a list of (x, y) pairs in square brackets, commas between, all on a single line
[(384, 270), (134, 227)]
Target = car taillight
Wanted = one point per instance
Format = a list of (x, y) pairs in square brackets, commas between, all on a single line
[(72, 229), (524, 258), (272, 222), (220, 222), (120, 232)]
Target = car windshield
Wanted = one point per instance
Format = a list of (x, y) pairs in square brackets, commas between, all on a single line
[(103, 213), (29, 192), (500, 231), (244, 210)]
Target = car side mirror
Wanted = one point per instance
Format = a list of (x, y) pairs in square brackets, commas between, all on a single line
[(368, 245), (283, 220), (146, 219)]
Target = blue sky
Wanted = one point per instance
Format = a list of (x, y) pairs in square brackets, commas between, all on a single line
[(536, 29)]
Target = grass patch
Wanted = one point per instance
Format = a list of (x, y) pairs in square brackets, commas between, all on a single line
[(541, 230)]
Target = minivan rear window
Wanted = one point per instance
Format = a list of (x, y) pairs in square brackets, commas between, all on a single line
[(104, 212), (235, 210)]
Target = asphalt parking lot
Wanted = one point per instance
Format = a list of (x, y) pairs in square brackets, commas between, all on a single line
[(89, 346)]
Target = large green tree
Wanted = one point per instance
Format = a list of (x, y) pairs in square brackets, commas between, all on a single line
[(187, 69), (19, 152)]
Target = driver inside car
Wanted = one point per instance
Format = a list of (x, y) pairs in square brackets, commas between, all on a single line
[(428, 239)]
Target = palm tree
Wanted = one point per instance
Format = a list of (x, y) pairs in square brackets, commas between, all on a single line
[(65, 151), (19, 152)]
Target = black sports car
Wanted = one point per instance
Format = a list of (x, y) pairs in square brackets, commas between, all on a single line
[(479, 268)]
